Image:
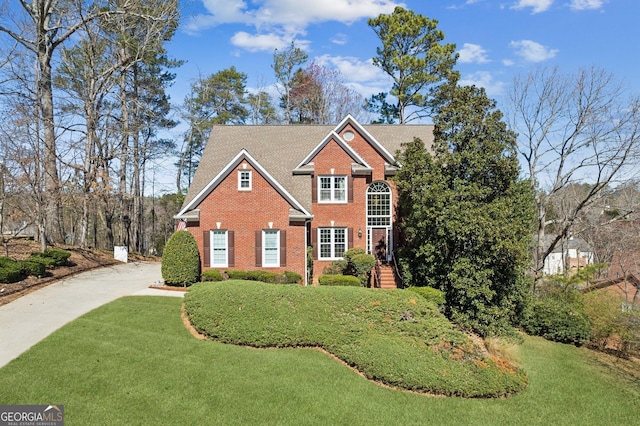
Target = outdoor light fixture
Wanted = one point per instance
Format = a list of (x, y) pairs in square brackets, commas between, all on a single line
[(359, 233)]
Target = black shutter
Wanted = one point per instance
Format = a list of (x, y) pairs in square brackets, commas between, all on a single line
[(259, 249), (283, 248), (231, 246), (349, 238), (314, 189), (350, 189), (314, 242), (206, 251)]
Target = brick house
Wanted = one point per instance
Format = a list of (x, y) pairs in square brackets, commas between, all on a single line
[(262, 194)]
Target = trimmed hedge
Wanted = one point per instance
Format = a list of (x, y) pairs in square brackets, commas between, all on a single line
[(339, 280), (286, 277), (211, 275), (181, 260), (33, 267), (58, 257), (10, 271), (430, 293)]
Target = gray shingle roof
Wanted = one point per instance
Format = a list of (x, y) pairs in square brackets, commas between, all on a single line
[(279, 149)]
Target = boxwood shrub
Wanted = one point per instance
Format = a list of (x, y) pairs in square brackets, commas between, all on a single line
[(32, 267), (181, 260), (286, 277), (211, 275), (339, 280), (10, 271), (54, 257)]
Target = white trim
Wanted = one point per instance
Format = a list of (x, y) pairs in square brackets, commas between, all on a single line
[(332, 242), (264, 248), (212, 248), (345, 146), (240, 180), (332, 189), (222, 175), (373, 141)]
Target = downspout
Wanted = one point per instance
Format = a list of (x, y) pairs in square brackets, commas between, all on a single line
[(306, 245)]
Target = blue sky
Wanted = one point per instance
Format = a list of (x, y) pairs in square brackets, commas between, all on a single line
[(496, 40)]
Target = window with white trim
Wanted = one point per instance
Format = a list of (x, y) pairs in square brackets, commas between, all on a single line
[(219, 249), (332, 243), (244, 180), (270, 248), (332, 189)]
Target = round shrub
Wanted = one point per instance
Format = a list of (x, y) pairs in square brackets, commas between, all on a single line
[(47, 262), (211, 275), (339, 280), (181, 260), (54, 256), (236, 274), (292, 277), (337, 267), (33, 268), (361, 264), (433, 294)]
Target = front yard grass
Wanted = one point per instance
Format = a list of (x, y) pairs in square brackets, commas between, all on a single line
[(132, 362)]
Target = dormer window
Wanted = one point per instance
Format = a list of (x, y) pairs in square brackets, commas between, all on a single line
[(332, 189), (244, 180)]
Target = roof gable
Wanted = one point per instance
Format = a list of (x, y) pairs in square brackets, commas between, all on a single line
[(332, 136), (298, 209), (355, 124)]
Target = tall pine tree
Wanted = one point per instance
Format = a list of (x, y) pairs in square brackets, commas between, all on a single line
[(467, 216)]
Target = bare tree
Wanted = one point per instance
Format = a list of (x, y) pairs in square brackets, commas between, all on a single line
[(574, 128)]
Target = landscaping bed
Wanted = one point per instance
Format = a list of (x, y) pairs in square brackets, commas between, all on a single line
[(395, 337)]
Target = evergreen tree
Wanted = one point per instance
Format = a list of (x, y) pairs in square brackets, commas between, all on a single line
[(467, 216)]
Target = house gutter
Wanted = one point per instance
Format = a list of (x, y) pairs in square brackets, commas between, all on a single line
[(306, 244)]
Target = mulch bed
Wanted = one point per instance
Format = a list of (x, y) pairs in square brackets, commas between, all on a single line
[(81, 260)]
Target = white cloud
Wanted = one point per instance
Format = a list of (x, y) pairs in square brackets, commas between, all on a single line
[(531, 51), (484, 79), (536, 6), (259, 42), (353, 68), (472, 53), (586, 4), (339, 39), (287, 12)]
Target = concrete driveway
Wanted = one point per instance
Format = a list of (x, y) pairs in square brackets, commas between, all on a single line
[(31, 318)]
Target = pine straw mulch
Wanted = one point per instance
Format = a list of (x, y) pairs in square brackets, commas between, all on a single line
[(81, 260)]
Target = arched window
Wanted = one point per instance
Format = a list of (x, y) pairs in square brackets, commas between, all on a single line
[(379, 204)]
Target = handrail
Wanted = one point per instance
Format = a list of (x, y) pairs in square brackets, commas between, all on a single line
[(396, 270)]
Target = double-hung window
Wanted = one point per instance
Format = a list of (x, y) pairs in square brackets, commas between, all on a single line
[(244, 180), (219, 249), (270, 248), (333, 242), (332, 189)]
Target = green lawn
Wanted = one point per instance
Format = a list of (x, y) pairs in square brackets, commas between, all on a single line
[(132, 362)]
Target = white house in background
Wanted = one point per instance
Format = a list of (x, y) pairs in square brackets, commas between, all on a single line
[(569, 255)]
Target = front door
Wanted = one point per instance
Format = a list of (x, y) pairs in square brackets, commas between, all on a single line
[(379, 243)]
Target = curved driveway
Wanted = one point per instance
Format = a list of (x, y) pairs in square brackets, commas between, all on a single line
[(31, 318)]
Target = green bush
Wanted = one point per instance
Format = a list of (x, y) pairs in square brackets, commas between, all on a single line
[(558, 320), (211, 275), (10, 271), (54, 257), (181, 260), (47, 262), (286, 277), (339, 280), (235, 274), (337, 267), (33, 268), (292, 277), (429, 293)]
